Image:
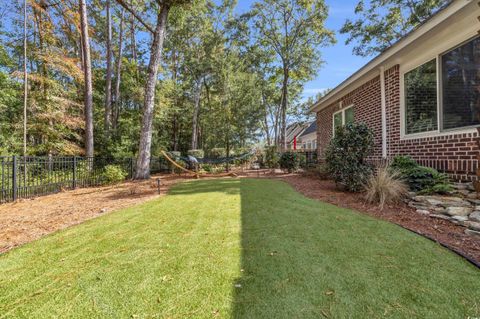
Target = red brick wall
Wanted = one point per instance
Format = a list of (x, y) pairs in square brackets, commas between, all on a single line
[(454, 154)]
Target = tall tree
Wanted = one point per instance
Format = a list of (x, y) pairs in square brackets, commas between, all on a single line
[(108, 74), (381, 23), (144, 151), (118, 72), (294, 30), (87, 70)]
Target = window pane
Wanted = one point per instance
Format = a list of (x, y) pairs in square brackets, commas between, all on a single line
[(337, 120), (349, 116), (461, 86), (421, 99)]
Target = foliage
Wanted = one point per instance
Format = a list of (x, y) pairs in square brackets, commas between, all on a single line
[(346, 156), (113, 174), (424, 180), (381, 23), (218, 152), (207, 167), (196, 153), (385, 187), (272, 158), (290, 161)]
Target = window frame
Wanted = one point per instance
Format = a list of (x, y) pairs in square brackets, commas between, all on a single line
[(342, 111), (439, 131)]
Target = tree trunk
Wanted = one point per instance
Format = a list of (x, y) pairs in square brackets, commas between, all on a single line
[(25, 79), (87, 69), (283, 126), (108, 77), (118, 73), (143, 160), (196, 110)]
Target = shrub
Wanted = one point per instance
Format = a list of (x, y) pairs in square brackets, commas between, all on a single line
[(175, 154), (385, 187), (196, 153), (218, 152), (424, 180), (114, 174), (346, 156), (207, 168), (271, 159), (290, 161)]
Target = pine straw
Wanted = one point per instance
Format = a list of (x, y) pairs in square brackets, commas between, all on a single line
[(27, 220)]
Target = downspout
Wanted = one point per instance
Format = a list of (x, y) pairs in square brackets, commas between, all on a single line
[(384, 112)]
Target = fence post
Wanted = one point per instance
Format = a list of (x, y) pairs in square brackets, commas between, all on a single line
[(14, 178), (74, 182)]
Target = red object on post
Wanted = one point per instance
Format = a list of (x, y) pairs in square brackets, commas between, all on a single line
[(295, 143)]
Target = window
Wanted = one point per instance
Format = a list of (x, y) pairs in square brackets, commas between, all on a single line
[(421, 99), (458, 89), (343, 117), (461, 86)]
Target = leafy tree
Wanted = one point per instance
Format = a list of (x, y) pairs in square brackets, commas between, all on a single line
[(381, 23), (294, 30)]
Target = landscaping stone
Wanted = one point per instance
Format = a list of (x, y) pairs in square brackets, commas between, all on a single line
[(473, 225), (459, 211), (472, 233), (462, 207), (460, 218), (423, 212), (475, 216)]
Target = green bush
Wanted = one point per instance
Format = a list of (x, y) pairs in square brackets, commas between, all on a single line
[(290, 161), (207, 168), (319, 171), (113, 174), (196, 153), (175, 154), (346, 156), (218, 152), (421, 179), (271, 157)]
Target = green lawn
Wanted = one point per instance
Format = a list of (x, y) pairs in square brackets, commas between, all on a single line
[(239, 248)]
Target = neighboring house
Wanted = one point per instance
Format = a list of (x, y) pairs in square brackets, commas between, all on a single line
[(308, 139), (294, 130), (421, 97)]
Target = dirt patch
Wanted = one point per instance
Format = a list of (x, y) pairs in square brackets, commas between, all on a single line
[(30, 219), (440, 230)]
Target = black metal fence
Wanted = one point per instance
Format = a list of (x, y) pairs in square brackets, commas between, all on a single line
[(32, 176)]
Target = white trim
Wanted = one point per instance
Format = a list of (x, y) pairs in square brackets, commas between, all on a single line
[(433, 22), (384, 112), (342, 111), (437, 56)]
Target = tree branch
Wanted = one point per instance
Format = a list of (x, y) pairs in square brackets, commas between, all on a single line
[(136, 15)]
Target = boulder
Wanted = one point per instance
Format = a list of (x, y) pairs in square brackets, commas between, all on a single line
[(473, 225), (459, 211), (460, 219), (475, 216)]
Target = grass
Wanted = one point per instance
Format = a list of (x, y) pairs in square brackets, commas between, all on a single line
[(240, 248)]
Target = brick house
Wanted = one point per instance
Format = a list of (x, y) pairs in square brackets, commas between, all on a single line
[(421, 96)]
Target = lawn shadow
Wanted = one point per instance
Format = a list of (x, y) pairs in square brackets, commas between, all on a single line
[(306, 259)]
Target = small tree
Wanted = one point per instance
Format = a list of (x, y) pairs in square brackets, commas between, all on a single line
[(290, 161), (346, 156)]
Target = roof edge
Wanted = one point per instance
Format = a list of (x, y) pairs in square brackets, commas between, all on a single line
[(412, 36)]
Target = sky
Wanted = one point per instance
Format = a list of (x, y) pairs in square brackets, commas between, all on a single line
[(340, 63)]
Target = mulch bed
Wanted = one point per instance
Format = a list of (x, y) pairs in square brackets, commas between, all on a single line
[(439, 230)]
